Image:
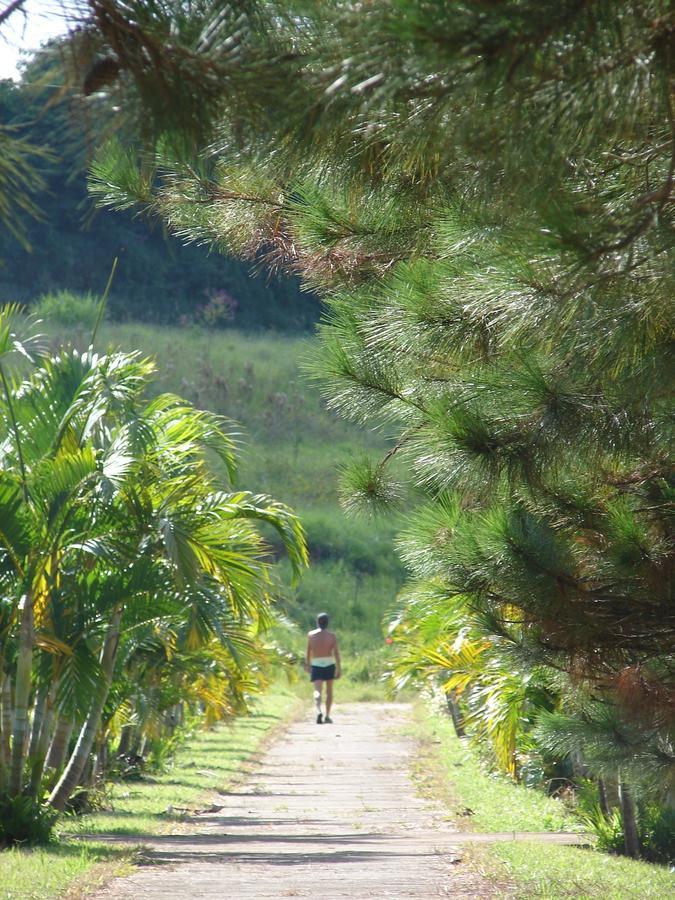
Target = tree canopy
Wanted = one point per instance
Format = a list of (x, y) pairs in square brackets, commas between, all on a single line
[(482, 194)]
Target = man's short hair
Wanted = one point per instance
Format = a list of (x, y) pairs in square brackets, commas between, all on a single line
[(322, 620)]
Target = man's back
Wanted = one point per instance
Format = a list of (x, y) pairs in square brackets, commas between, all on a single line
[(321, 642)]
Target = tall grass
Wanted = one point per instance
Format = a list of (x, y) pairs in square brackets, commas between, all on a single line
[(68, 309)]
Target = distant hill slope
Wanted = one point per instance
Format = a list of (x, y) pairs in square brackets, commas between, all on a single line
[(73, 246)]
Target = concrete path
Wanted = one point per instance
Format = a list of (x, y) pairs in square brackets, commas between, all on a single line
[(329, 811)]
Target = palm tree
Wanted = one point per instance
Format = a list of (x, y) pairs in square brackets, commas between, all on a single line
[(115, 515), (49, 472)]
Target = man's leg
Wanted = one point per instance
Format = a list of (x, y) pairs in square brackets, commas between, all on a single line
[(329, 698), (317, 699)]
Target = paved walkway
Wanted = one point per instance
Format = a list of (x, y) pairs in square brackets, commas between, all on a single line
[(329, 811)]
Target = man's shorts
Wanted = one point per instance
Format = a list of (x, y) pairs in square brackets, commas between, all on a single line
[(322, 673)]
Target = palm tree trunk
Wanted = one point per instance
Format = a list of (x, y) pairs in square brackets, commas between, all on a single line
[(137, 737), (5, 728), (22, 686), (141, 746), (628, 817), (602, 797), (125, 740), (39, 754), (612, 791), (80, 755), (455, 713), (99, 762), (579, 767), (60, 740), (38, 714)]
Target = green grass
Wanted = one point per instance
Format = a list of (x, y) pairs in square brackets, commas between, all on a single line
[(346, 690), (479, 801), (574, 873), (497, 803), (209, 761), (353, 687), (46, 873)]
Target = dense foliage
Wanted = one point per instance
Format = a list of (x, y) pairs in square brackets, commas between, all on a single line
[(135, 582), (291, 443), (483, 194)]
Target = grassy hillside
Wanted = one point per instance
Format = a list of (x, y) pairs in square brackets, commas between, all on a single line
[(291, 445)]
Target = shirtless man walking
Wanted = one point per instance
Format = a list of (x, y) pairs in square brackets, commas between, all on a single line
[(322, 661)]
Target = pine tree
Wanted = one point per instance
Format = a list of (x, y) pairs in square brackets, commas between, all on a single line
[(483, 196)]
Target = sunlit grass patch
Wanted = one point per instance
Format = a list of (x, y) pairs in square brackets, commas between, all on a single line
[(346, 690), (488, 802), (42, 873), (479, 801), (575, 873)]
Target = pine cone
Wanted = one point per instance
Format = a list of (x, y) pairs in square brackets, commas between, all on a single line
[(103, 71)]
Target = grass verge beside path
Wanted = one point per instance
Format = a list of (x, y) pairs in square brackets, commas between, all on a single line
[(208, 762), (485, 803)]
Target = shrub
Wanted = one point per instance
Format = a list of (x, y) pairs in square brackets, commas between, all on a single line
[(220, 308), (163, 749), (656, 825), (367, 668), (607, 829), (86, 800), (68, 308), (657, 833), (24, 820)]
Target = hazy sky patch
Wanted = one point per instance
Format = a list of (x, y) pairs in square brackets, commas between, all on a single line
[(27, 29)]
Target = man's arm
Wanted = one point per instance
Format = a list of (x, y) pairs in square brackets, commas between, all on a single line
[(308, 653), (338, 664)]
